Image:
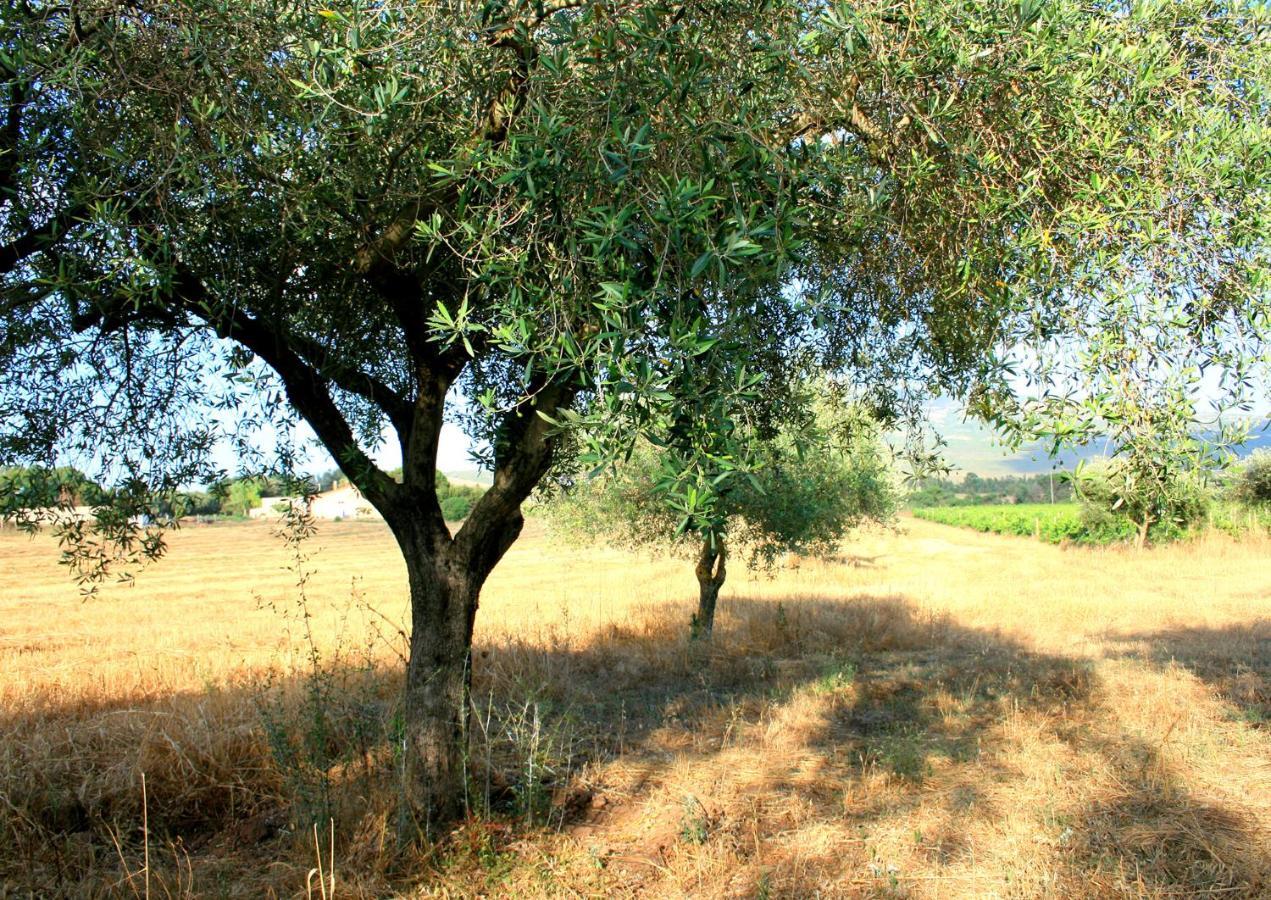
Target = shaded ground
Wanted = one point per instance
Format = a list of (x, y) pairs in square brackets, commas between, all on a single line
[(1234, 660)]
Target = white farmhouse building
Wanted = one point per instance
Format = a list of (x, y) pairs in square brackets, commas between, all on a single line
[(343, 502)]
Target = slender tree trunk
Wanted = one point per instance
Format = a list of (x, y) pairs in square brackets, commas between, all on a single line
[(1143, 527), (710, 578)]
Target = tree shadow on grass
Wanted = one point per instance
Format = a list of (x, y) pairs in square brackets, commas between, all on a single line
[(1151, 835), (876, 698), (819, 713), (1235, 661), (803, 702)]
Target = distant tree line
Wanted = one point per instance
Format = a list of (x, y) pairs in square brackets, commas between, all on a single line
[(65, 486), (39, 487), (976, 491), (238, 496)]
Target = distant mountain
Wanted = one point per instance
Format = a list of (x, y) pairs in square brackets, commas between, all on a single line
[(973, 448), (473, 476)]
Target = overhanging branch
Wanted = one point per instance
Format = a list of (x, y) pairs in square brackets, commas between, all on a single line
[(305, 369), (40, 238), (306, 390)]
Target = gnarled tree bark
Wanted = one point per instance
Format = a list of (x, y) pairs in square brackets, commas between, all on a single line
[(446, 574), (445, 586)]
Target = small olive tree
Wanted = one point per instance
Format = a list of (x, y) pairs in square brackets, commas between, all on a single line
[(1252, 483), (805, 489), (1166, 428), (1155, 498), (1162, 456)]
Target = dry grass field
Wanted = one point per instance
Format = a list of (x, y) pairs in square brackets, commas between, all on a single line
[(938, 713)]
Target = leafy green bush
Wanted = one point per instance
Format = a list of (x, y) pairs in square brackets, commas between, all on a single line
[(456, 507), (1161, 503), (1252, 483), (456, 500)]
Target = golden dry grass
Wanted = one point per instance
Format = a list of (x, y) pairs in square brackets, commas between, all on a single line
[(937, 713)]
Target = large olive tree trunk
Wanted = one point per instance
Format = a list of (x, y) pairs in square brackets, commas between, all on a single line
[(445, 578), (443, 599), (711, 572), (446, 574)]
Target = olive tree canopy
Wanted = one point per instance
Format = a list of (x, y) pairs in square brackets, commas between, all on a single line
[(804, 490), (550, 215)]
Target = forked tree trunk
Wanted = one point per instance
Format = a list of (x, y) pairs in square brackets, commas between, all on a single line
[(446, 573), (445, 586), (710, 578)]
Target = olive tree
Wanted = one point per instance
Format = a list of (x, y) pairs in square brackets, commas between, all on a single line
[(1164, 432), (804, 491), (542, 217), (1252, 482), (1159, 499), (1161, 457)]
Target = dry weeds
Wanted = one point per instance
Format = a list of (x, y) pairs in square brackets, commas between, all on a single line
[(938, 713)]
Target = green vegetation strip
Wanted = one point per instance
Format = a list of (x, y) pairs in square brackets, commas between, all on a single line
[(1063, 522), (1052, 522)]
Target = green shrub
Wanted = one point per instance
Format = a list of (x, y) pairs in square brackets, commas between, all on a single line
[(460, 497), (1252, 483), (456, 507)]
